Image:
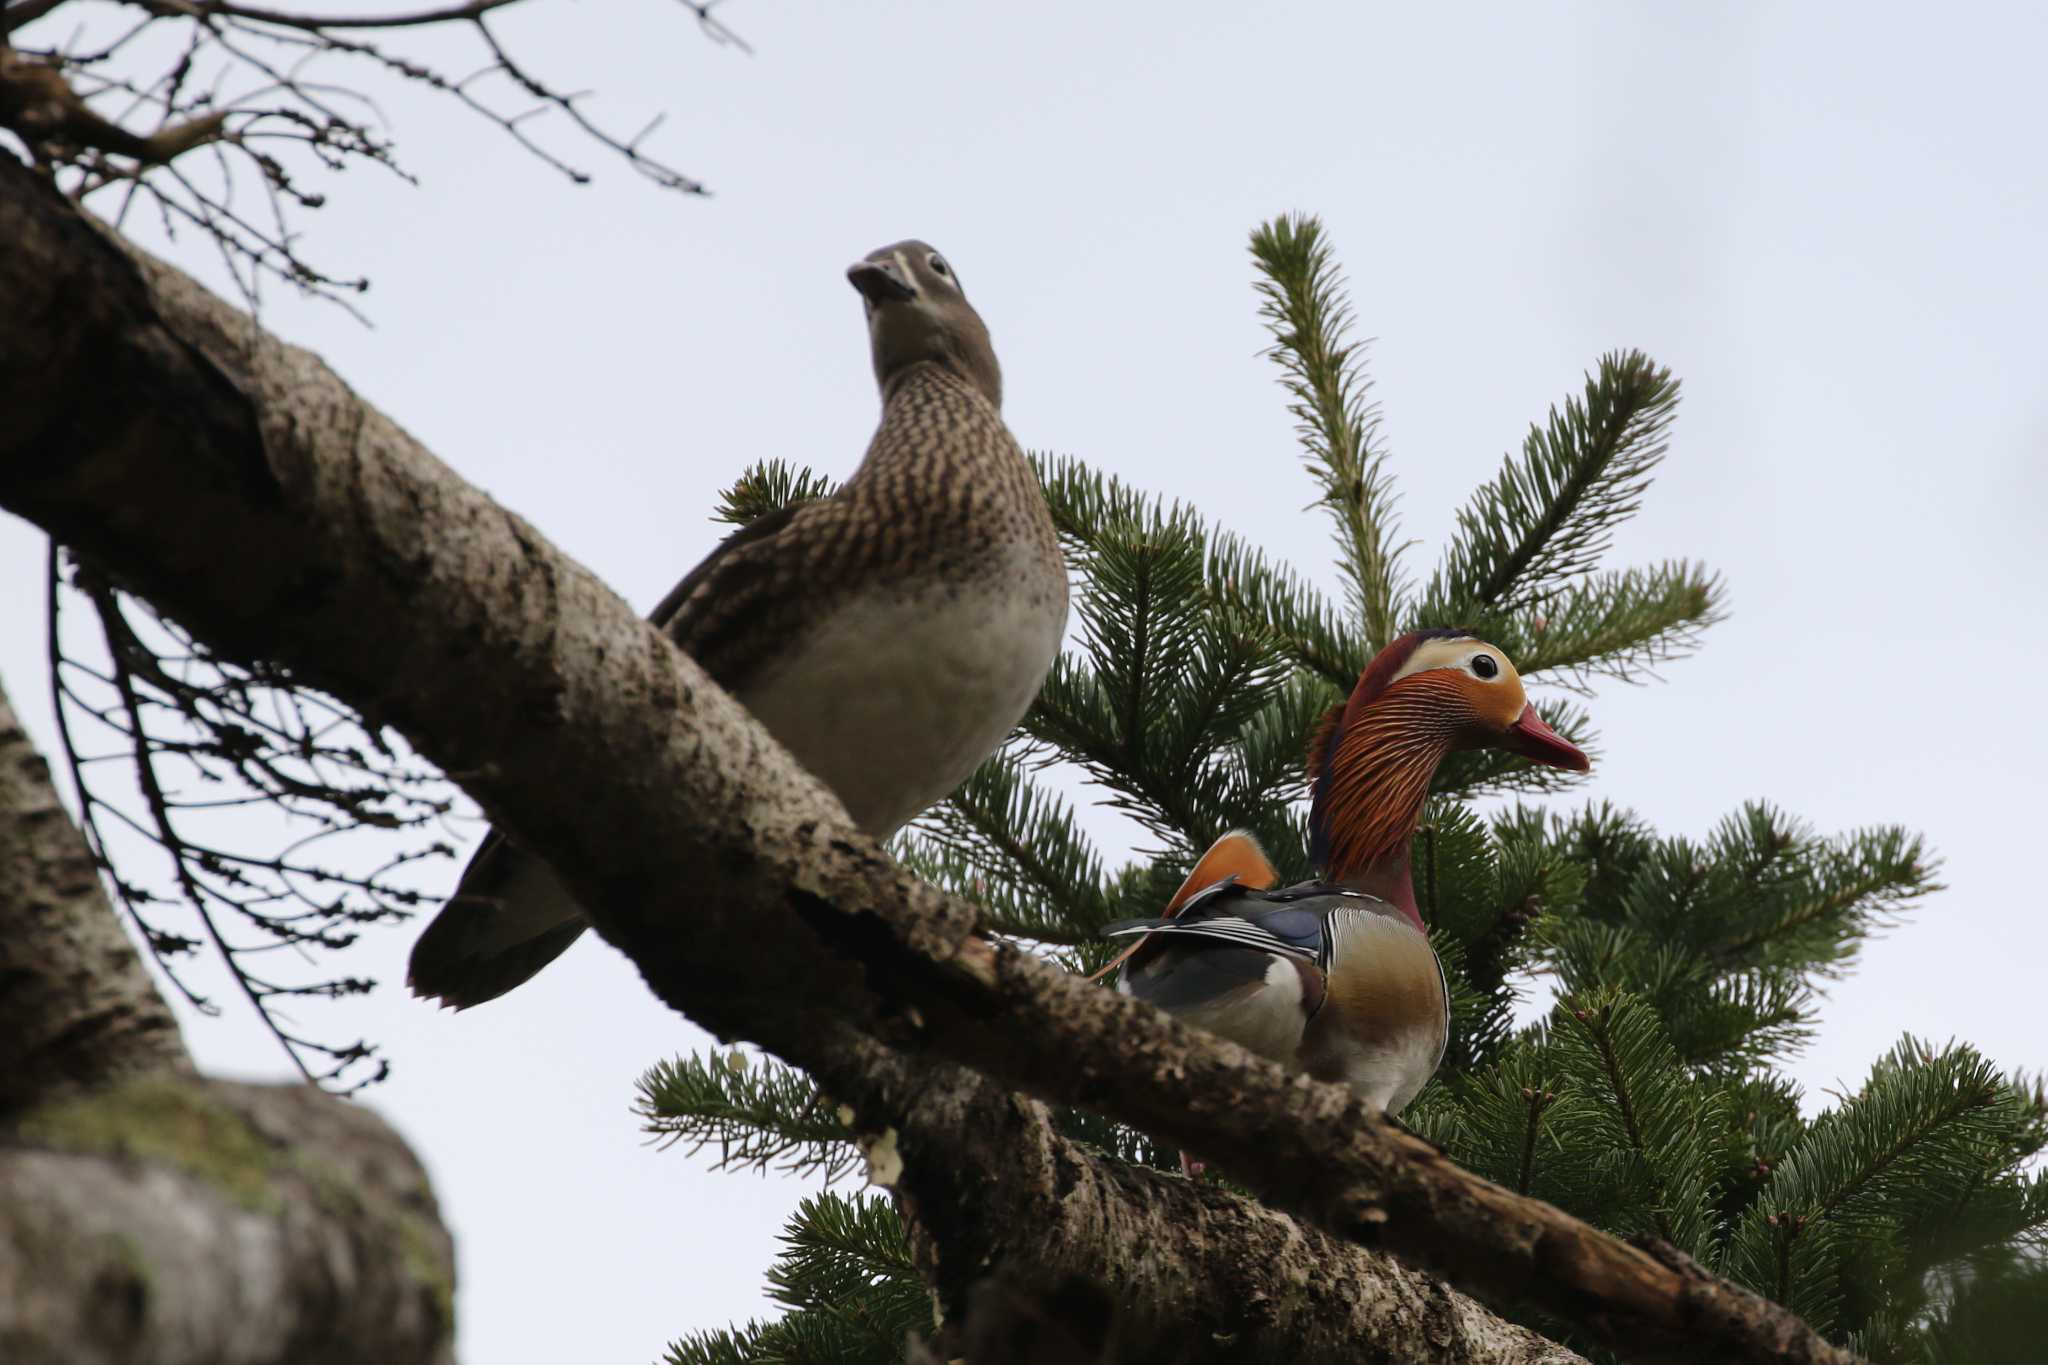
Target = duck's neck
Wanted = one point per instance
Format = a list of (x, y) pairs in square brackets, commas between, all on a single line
[(1370, 805), (1391, 879)]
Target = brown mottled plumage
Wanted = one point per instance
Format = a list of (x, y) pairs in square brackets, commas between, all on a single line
[(890, 636)]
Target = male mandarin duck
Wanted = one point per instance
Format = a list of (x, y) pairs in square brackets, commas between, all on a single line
[(1335, 977), (889, 636)]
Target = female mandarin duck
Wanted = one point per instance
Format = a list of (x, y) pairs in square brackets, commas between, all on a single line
[(1336, 977)]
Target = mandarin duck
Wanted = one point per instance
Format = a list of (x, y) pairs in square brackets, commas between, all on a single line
[(889, 636), (1335, 976)]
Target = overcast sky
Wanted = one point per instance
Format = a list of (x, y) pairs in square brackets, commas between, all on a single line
[(1828, 220)]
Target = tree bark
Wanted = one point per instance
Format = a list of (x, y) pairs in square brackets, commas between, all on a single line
[(158, 430), (77, 1009), (186, 1222), (149, 1215), (983, 1179)]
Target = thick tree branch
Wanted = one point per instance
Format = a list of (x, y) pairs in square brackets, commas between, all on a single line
[(987, 1185), (148, 1214), (240, 484), (190, 1222), (37, 103), (76, 1007)]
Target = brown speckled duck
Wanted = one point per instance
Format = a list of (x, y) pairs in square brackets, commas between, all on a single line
[(889, 636)]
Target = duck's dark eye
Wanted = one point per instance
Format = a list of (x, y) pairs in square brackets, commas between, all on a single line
[(939, 265), (1484, 666)]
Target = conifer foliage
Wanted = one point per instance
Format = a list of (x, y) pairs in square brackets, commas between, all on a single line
[(1649, 1098)]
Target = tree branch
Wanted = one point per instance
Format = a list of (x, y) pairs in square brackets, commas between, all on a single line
[(986, 1184), (190, 1222), (146, 1213), (207, 9), (76, 1007), (160, 432), (37, 103)]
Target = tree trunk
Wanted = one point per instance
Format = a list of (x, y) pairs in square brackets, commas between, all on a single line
[(159, 431), (77, 1009), (147, 1215), (173, 1220)]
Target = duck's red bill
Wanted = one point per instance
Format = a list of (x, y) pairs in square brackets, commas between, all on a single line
[(1536, 741)]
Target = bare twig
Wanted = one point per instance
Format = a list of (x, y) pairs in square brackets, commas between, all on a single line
[(249, 738), (312, 23), (249, 83)]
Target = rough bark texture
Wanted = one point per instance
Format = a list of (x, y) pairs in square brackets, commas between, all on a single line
[(174, 1220), (154, 428), (76, 1006), (150, 1216), (985, 1180)]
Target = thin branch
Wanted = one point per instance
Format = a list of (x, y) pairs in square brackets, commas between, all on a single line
[(167, 833), (287, 749), (80, 118), (313, 23)]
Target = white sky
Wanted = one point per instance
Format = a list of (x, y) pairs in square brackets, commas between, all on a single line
[(1827, 219)]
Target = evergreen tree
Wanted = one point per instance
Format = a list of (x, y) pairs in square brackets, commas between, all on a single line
[(1650, 1098)]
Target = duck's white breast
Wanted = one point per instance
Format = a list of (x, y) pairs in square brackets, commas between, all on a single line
[(901, 692)]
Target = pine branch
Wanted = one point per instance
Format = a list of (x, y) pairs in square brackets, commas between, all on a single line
[(1612, 845), (1766, 1123), (1304, 627), (1661, 1129), (754, 1344), (1452, 859), (1927, 1135), (1530, 883), (1999, 1317), (1715, 1021), (1083, 502), (852, 1290), (1272, 744), (1548, 516), (1238, 578), (1074, 716), (1518, 1122), (1121, 1141), (756, 1111), (769, 486), (1302, 301), (2002, 1213), (1166, 685), (1612, 625), (1480, 1015), (1912, 1128), (1762, 895), (1849, 889), (848, 1259), (1013, 847), (1738, 1022)]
